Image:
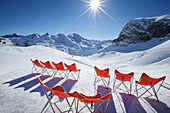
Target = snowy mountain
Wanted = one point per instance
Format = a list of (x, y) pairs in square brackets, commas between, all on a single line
[(21, 91), (142, 30), (73, 44)]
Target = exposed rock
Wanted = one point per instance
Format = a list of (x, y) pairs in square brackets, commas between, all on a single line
[(143, 29)]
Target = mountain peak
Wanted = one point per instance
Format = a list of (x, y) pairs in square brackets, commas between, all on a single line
[(13, 35), (143, 29), (73, 44)]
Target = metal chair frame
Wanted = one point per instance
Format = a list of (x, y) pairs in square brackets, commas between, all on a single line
[(90, 109), (100, 78), (72, 73), (129, 90), (35, 67), (49, 98), (150, 87)]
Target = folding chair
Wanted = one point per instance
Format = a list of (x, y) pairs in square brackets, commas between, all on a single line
[(91, 100), (145, 80), (123, 78), (73, 71), (102, 75), (48, 68), (60, 68), (36, 65), (58, 91)]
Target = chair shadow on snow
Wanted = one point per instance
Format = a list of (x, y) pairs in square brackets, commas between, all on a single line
[(104, 91), (21, 79), (68, 84), (160, 107), (50, 83), (132, 104), (32, 83)]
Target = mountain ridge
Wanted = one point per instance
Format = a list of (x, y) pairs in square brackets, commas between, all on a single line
[(73, 44)]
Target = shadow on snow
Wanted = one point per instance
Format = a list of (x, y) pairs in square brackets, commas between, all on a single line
[(21, 79), (160, 107), (50, 83), (104, 91)]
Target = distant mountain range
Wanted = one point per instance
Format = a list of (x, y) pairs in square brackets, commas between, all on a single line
[(73, 44), (138, 34)]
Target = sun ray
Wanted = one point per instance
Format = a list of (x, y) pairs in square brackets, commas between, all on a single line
[(109, 16), (82, 14), (94, 9)]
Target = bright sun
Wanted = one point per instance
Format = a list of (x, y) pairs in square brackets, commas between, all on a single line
[(95, 4)]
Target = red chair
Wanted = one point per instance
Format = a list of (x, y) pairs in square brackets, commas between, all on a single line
[(36, 66), (73, 71), (102, 76), (48, 68), (60, 68), (58, 91), (91, 100), (146, 81), (123, 78)]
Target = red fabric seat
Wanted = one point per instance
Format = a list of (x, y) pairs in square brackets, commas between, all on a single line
[(36, 66), (102, 73), (91, 100), (147, 81), (123, 78), (73, 71), (60, 68), (102, 77), (48, 68), (58, 91)]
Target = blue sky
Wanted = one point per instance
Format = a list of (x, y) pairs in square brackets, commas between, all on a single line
[(58, 16)]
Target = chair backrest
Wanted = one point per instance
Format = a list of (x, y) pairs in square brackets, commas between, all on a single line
[(102, 73), (123, 77), (36, 62), (92, 99), (47, 65), (96, 96), (58, 90), (56, 65), (59, 66), (149, 81), (71, 67), (106, 97), (43, 85)]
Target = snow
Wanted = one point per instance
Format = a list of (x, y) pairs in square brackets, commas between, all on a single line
[(156, 18), (20, 91), (73, 44)]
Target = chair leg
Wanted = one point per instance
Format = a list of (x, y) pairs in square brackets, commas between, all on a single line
[(33, 69), (136, 90), (107, 105), (145, 92), (47, 102), (97, 107), (127, 89), (155, 93), (114, 84), (131, 86)]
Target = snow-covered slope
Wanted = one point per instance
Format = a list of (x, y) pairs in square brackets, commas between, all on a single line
[(73, 44), (20, 90)]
